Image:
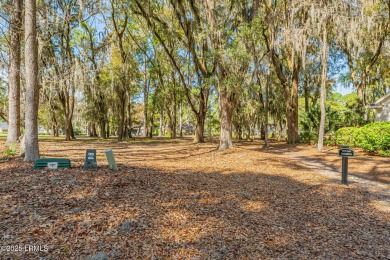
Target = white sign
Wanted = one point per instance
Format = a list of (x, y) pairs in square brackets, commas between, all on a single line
[(52, 165)]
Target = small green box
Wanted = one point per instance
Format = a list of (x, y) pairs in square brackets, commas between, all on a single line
[(56, 162)]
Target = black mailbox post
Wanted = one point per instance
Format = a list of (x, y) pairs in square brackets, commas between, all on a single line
[(345, 152), (90, 160)]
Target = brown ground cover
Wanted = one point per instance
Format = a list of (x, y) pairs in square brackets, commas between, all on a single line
[(178, 200)]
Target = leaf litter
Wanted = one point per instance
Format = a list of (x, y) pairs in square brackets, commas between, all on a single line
[(177, 200)]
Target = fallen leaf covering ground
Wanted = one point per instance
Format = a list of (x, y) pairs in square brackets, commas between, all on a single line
[(178, 200)]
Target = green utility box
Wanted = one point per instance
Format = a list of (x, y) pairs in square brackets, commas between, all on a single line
[(90, 160), (51, 163)]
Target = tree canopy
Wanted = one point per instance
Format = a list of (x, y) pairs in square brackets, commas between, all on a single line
[(236, 69)]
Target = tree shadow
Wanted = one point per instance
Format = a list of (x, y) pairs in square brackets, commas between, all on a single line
[(188, 214)]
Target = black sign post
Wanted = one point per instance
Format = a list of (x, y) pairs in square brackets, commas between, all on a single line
[(345, 152), (90, 160)]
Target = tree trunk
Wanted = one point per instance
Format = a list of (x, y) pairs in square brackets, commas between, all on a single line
[(181, 120), (280, 128), (291, 102), (54, 124), (88, 130), (146, 94), (239, 132), (226, 114), (262, 130), (174, 116), (103, 133), (290, 97), (68, 129), (93, 130), (248, 133), (32, 90), (151, 125), (160, 132), (294, 106), (306, 95), (199, 129), (72, 135), (201, 117), (321, 133), (108, 129), (266, 108), (122, 117), (129, 122), (14, 73)]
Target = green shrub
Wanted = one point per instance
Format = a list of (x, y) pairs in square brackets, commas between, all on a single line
[(346, 136), (308, 137), (77, 130), (373, 137), (10, 150)]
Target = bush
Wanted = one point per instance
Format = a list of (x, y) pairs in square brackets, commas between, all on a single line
[(77, 130), (310, 123), (374, 137), (346, 136), (10, 150), (308, 137)]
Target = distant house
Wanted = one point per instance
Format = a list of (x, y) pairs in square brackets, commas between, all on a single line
[(382, 108), (3, 127)]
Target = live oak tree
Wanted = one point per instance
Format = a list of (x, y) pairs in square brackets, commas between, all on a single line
[(228, 66), (184, 32), (363, 30), (285, 39)]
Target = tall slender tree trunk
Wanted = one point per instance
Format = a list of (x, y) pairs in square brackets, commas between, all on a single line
[(122, 117), (32, 90), (161, 130), (294, 106), (129, 123), (226, 114), (146, 95), (174, 116), (266, 109), (108, 129), (14, 73), (261, 119), (306, 95), (321, 133), (181, 120), (150, 132)]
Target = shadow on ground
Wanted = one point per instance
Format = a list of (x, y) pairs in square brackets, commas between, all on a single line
[(186, 214)]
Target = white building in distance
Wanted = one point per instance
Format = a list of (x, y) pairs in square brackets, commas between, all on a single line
[(382, 108)]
